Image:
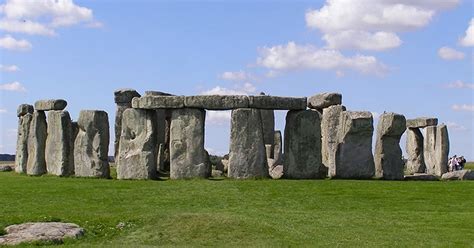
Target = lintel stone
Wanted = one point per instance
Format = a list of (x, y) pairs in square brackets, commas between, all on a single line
[(276, 102), (422, 122), (52, 104), (217, 102), (157, 102)]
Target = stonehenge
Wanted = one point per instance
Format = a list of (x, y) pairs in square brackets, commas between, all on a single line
[(388, 154), (160, 134)]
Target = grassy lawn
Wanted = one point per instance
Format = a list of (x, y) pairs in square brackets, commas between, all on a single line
[(246, 213)]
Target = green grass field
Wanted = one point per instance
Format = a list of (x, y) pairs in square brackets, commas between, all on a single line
[(229, 213)]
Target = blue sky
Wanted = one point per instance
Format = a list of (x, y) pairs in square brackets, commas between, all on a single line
[(410, 57)]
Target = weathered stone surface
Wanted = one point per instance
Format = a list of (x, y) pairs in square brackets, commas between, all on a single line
[(123, 99), (276, 172), (40, 231), (52, 104), (5, 168), (37, 134), (414, 150), (276, 102), (157, 102), (24, 109), (225, 164), (160, 158), (217, 173), (216, 102), (458, 175), (324, 100), (354, 157), (388, 154), (436, 149), (187, 155), (125, 95), (268, 122), (268, 151), (422, 122), (247, 158), (137, 151), (59, 148), (302, 145), (21, 158), (156, 93), (277, 147), (421, 177), (329, 136), (91, 146)]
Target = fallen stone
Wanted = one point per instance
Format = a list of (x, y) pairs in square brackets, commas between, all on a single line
[(302, 145), (324, 100), (330, 125), (53, 104), (157, 102), (458, 175), (137, 151), (275, 102), (37, 134), (247, 158), (125, 95), (414, 150), (421, 177), (54, 232), (217, 173), (388, 154), (21, 157), (422, 122), (59, 148), (216, 102), (91, 146), (188, 157), (123, 99), (5, 168), (24, 109), (354, 159), (276, 172)]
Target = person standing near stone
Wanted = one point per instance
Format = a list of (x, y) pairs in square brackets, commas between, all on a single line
[(25, 115)]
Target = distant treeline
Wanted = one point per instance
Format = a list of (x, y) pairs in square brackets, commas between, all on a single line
[(7, 157)]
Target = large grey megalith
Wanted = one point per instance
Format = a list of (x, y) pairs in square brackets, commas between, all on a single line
[(37, 134), (25, 115), (59, 153), (123, 100), (91, 146)]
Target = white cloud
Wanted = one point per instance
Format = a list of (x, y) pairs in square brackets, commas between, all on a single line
[(460, 85), (468, 39), (27, 27), (15, 86), (218, 117), (236, 76), (245, 89), (357, 39), (455, 126), (463, 107), (41, 17), (3, 111), (10, 43), (9, 68), (372, 24), (294, 57), (448, 53)]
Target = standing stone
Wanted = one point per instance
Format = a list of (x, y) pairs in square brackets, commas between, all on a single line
[(277, 147), (59, 154), (429, 146), (91, 147), (329, 136), (36, 144), (268, 122), (247, 157), (187, 155), (137, 150), (442, 150), (160, 158), (303, 145), (123, 99), (354, 159), (388, 154), (414, 149), (24, 121)]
